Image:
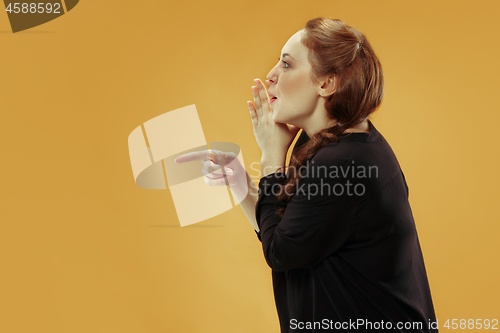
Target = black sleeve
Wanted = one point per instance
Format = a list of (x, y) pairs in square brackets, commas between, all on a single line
[(315, 224), (303, 138)]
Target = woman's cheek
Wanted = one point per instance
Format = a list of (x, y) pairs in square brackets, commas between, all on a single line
[(293, 84)]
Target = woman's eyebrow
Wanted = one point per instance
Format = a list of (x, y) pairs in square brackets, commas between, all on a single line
[(287, 55)]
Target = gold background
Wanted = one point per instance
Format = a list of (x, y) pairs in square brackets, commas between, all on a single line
[(84, 249)]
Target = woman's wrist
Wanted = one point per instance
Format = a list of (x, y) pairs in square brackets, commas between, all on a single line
[(271, 164)]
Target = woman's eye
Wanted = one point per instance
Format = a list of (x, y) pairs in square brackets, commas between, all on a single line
[(285, 64)]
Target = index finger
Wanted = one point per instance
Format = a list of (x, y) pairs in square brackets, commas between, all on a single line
[(264, 96), (194, 156)]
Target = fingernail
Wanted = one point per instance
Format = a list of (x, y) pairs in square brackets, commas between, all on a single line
[(229, 172), (175, 160)]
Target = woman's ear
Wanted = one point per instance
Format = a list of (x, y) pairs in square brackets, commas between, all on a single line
[(328, 86)]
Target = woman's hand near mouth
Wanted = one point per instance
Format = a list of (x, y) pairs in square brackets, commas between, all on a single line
[(273, 138)]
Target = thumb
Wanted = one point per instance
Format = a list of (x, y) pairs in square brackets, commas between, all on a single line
[(228, 171)]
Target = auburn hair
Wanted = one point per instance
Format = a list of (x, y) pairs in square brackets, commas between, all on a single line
[(342, 51)]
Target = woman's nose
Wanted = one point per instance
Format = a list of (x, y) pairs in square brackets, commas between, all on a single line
[(271, 77)]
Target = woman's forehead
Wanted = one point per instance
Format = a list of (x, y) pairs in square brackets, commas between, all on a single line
[(295, 48)]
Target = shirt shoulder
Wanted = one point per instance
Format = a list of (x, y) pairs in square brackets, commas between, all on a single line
[(358, 158)]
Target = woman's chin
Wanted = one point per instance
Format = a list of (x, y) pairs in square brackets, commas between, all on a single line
[(279, 119), (276, 116)]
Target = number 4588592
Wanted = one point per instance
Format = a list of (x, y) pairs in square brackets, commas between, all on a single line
[(33, 8), (464, 324)]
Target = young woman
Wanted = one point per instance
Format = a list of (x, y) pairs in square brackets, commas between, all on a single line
[(336, 228)]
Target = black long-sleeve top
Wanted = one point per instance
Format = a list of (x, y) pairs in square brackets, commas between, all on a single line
[(346, 252)]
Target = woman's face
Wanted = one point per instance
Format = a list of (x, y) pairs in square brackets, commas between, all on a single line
[(294, 96)]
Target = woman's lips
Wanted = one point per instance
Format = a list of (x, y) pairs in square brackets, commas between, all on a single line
[(272, 100)]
